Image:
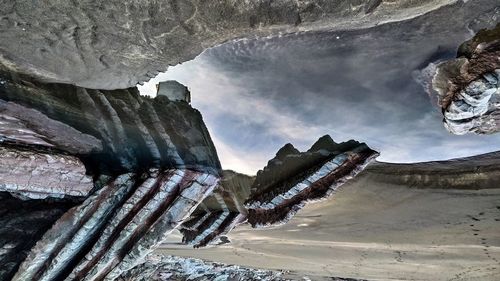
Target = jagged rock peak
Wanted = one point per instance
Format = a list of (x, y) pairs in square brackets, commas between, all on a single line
[(290, 161), (282, 188), (325, 142), (286, 150)]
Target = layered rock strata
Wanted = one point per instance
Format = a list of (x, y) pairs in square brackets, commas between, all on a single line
[(132, 169), (467, 89), (22, 224), (220, 212), (114, 229), (293, 178), (113, 131), (38, 175), (476, 172), (280, 190)]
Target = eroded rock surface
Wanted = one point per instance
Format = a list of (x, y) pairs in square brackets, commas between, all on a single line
[(38, 175), (114, 229), (116, 44), (115, 131), (476, 172), (177, 268), (22, 224), (135, 168), (290, 180), (467, 89)]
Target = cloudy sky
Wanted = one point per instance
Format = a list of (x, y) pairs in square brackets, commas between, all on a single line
[(257, 95)]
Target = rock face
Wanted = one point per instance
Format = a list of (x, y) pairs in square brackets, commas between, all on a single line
[(115, 131), (176, 269), (290, 180), (113, 230), (22, 224), (119, 43), (468, 88), (174, 91), (293, 178), (117, 172), (476, 172), (37, 175)]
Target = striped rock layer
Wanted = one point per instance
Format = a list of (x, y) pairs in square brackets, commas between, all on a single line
[(115, 228), (112, 132), (102, 177), (278, 192), (467, 88)]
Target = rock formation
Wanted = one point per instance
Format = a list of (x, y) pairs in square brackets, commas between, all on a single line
[(467, 89), (113, 173), (94, 176), (290, 180), (163, 268), (476, 172), (293, 178), (116, 44)]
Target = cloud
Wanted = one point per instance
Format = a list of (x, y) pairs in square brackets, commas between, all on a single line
[(257, 95)]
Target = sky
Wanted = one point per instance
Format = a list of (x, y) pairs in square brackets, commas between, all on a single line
[(257, 95)]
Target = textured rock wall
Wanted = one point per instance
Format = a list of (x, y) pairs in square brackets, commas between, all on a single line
[(37, 175), (468, 88), (116, 44), (292, 178), (476, 172), (135, 168), (113, 131), (114, 229), (22, 224)]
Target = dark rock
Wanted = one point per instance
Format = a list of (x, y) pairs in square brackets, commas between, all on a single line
[(468, 88), (476, 172), (22, 224), (283, 187), (114, 131)]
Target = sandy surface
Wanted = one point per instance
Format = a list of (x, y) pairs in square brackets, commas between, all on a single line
[(376, 232)]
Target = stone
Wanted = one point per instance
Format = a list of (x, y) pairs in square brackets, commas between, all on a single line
[(467, 89), (174, 91), (39, 175)]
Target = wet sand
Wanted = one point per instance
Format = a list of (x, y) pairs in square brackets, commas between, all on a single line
[(375, 231)]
